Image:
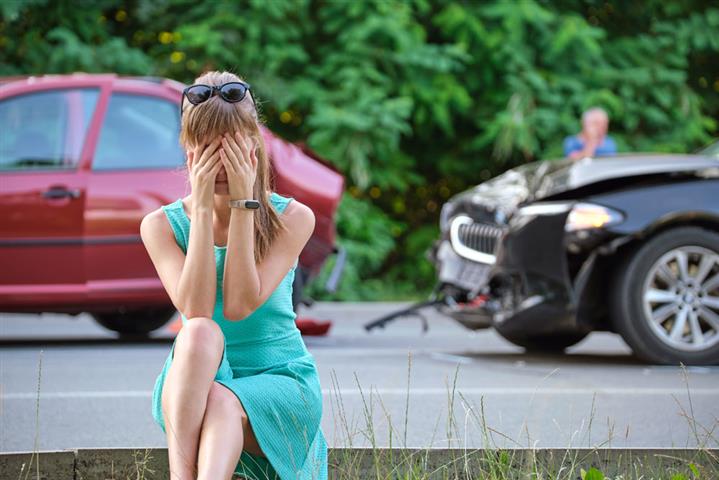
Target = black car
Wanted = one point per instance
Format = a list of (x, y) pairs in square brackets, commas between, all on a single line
[(549, 251)]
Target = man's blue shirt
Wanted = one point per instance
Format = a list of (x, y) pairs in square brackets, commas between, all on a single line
[(573, 143)]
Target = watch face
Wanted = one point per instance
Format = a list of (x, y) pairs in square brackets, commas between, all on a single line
[(252, 204)]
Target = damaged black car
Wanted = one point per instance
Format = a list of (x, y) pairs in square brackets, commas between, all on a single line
[(550, 251)]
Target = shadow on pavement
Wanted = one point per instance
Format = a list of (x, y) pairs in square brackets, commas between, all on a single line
[(19, 342)]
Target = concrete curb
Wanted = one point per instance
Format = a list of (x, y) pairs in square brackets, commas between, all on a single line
[(151, 463)]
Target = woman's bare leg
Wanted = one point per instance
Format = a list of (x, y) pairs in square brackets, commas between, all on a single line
[(198, 351), (226, 432), (222, 439)]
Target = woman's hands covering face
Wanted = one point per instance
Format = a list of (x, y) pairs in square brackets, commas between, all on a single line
[(239, 156), (203, 163)]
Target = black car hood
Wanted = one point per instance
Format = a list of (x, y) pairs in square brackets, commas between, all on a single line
[(542, 179)]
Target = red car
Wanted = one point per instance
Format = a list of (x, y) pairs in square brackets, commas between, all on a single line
[(82, 159)]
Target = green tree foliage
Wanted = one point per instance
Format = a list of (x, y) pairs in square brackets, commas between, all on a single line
[(413, 100)]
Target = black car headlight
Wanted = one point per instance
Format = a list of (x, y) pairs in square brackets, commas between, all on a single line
[(582, 215), (587, 216)]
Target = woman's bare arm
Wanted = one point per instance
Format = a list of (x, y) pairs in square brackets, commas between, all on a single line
[(248, 285), (197, 284), (190, 280)]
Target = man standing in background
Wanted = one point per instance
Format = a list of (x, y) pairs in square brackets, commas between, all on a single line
[(593, 139)]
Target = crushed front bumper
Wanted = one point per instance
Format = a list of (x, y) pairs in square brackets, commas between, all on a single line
[(525, 282)]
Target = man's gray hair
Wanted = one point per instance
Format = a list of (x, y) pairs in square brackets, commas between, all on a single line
[(594, 110)]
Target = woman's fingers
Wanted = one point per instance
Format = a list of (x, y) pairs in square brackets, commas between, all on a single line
[(229, 165), (209, 150), (211, 162), (244, 143), (235, 153), (253, 156), (215, 167), (252, 146), (233, 166)]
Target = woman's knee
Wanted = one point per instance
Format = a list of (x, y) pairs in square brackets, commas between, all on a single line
[(200, 336)]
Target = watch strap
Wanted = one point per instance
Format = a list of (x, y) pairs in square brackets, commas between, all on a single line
[(248, 204)]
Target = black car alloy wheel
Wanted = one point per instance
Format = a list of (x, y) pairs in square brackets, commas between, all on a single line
[(666, 298), (671, 293)]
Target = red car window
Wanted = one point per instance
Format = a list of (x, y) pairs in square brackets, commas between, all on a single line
[(45, 130), (139, 132)]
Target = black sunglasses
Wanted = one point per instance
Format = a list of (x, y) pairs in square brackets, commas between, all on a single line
[(232, 92)]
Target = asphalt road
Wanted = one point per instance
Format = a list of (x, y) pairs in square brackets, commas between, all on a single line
[(95, 390)]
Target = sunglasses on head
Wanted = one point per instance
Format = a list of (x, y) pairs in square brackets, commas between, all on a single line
[(232, 92)]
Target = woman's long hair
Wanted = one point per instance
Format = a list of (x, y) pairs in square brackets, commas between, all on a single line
[(203, 122)]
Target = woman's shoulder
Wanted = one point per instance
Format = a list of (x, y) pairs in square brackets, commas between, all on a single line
[(155, 215), (297, 214), (166, 218), (154, 223)]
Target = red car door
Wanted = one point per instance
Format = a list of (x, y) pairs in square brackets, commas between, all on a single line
[(136, 168), (42, 194)]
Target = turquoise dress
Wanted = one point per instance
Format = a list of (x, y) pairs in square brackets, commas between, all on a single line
[(267, 365)]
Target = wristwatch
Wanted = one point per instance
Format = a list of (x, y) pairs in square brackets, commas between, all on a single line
[(246, 204)]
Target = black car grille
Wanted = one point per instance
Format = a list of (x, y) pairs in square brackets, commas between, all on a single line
[(481, 237)]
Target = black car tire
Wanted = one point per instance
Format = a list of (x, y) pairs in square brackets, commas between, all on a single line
[(626, 301), (549, 343), (135, 322)]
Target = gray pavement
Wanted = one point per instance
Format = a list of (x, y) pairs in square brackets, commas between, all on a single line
[(95, 390)]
